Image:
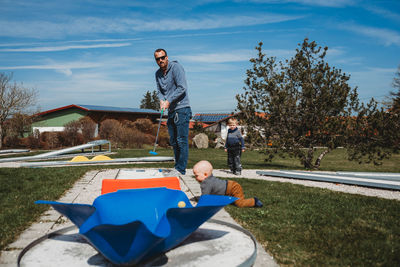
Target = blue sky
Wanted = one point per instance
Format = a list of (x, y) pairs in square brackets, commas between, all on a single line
[(100, 52)]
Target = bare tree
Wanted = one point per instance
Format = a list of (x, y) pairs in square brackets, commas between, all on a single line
[(14, 98)]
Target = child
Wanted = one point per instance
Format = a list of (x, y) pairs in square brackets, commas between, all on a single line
[(211, 185), (234, 146)]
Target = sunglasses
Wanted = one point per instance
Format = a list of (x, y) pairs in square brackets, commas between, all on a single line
[(160, 58)]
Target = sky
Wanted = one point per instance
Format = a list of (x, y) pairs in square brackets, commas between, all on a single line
[(99, 52)]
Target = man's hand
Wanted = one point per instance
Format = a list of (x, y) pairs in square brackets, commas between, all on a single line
[(164, 104)]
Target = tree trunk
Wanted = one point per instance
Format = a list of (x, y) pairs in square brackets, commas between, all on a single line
[(308, 158), (319, 159), (1, 136)]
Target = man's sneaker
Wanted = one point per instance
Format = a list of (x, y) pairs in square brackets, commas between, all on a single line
[(257, 203), (172, 173), (237, 173)]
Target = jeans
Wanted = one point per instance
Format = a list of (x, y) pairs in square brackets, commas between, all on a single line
[(234, 155), (178, 129)]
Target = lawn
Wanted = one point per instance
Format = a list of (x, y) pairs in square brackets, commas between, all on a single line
[(298, 225), (306, 226)]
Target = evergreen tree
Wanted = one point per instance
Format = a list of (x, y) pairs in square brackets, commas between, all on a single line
[(150, 101), (374, 134), (297, 105), (396, 94)]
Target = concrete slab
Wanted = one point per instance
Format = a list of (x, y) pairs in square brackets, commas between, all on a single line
[(139, 173), (210, 245)]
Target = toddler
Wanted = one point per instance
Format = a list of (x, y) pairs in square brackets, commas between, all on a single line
[(211, 185)]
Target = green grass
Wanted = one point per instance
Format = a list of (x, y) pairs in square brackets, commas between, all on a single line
[(298, 225), (306, 226), (19, 188)]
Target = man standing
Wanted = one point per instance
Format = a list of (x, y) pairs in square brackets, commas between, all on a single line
[(172, 91)]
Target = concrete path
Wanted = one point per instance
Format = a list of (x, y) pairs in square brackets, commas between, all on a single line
[(86, 190)]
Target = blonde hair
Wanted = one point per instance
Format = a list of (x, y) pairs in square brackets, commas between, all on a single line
[(232, 121)]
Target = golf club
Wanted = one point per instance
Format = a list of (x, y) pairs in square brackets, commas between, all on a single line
[(153, 152)]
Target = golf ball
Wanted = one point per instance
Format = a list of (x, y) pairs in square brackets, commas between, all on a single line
[(181, 204)]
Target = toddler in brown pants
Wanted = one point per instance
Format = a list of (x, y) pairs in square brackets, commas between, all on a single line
[(211, 185)]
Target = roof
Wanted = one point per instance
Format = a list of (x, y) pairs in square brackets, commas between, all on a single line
[(191, 124), (101, 109), (211, 117)]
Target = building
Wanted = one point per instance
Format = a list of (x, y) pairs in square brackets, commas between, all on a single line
[(215, 122), (54, 120)]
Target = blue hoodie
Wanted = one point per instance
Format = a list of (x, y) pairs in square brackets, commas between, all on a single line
[(234, 139), (172, 86)]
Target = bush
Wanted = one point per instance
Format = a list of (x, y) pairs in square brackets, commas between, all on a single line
[(88, 127), (12, 142), (72, 133), (163, 137), (33, 141), (127, 134), (51, 140), (145, 126), (133, 138), (110, 129)]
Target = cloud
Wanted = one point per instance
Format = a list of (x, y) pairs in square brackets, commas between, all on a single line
[(223, 57), (323, 3), (92, 25), (65, 68), (383, 12), (62, 48), (385, 36), (233, 56), (326, 3), (209, 22)]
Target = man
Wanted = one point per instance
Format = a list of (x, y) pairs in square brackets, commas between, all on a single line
[(172, 91)]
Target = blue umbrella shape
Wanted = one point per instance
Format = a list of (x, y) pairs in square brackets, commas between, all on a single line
[(129, 226)]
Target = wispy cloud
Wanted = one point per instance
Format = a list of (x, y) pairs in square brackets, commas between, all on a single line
[(208, 22), (240, 55), (80, 26), (323, 3), (65, 68), (385, 36), (62, 48), (388, 14), (223, 57), (326, 3)]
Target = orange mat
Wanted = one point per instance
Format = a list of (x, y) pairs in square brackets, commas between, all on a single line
[(112, 185)]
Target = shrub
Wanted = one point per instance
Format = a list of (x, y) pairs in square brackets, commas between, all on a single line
[(73, 135), (33, 141), (110, 129), (145, 126), (163, 137), (88, 127), (133, 138), (51, 140)]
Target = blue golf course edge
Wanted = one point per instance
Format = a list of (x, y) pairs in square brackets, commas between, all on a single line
[(129, 226)]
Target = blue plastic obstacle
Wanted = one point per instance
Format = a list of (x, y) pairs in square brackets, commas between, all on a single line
[(129, 226)]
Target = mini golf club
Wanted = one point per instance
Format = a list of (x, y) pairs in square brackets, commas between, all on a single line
[(153, 152)]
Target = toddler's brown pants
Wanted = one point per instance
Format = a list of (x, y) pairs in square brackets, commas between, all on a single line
[(234, 189)]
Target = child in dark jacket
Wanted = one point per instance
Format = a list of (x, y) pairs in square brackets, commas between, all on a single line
[(210, 185), (234, 145)]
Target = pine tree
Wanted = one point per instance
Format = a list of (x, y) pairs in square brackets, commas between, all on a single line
[(298, 105), (150, 101)]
